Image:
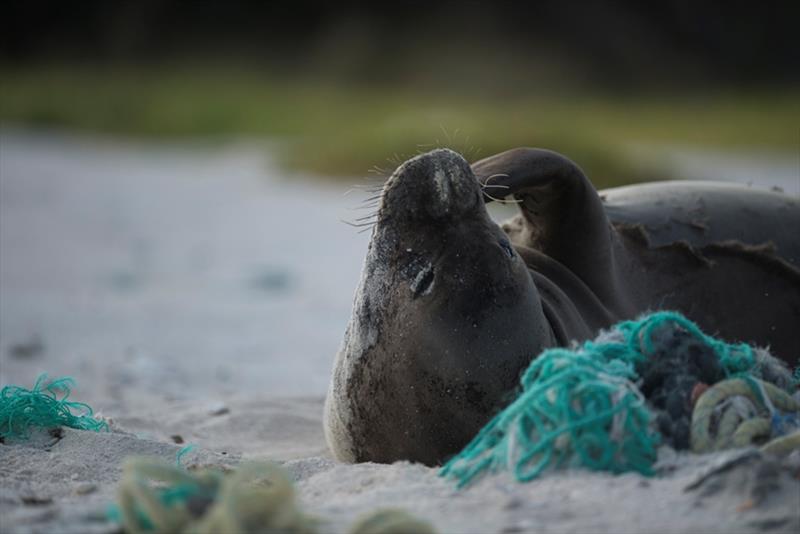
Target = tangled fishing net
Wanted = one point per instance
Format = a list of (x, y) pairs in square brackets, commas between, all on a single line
[(746, 411), (608, 404), (158, 497), (22, 409)]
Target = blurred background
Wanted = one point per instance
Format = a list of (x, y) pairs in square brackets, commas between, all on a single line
[(629, 90), (172, 173)]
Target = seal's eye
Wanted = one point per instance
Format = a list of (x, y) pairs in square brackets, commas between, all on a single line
[(423, 281), (505, 245)]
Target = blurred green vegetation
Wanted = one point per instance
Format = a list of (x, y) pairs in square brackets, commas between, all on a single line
[(340, 129)]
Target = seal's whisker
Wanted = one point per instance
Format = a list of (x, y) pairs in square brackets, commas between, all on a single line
[(486, 184), (369, 188), (364, 207), (447, 135), (501, 200), (371, 199), (353, 188), (369, 227), (396, 159), (370, 191), (374, 201), (367, 217), (357, 225)]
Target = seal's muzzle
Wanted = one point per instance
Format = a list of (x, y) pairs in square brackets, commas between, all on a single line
[(439, 184)]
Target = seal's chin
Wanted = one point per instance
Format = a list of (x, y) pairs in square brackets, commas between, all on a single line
[(437, 185)]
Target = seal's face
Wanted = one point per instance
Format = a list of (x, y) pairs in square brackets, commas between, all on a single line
[(444, 321), (449, 272)]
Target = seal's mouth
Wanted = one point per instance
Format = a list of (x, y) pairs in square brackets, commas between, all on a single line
[(437, 185)]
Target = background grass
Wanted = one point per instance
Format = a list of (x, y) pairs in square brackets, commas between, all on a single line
[(346, 130)]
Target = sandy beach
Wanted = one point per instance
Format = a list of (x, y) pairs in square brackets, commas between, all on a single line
[(198, 296)]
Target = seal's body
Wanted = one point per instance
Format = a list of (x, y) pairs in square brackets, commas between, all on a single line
[(451, 308)]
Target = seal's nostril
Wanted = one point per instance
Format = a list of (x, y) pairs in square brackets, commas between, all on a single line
[(423, 282), (443, 184)]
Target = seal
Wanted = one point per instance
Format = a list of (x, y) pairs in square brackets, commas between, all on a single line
[(451, 307)]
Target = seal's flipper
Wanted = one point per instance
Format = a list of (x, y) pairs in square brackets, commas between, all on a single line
[(562, 214)]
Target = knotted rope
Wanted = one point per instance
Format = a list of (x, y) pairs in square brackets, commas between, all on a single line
[(584, 407)]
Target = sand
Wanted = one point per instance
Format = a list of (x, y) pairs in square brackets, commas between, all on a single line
[(198, 295), (66, 484)]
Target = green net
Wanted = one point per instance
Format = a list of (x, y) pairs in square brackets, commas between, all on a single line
[(158, 497), (22, 409), (639, 342), (581, 407)]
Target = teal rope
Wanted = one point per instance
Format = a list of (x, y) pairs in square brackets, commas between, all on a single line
[(638, 343), (170, 495), (181, 453), (560, 418), (21, 409), (581, 407)]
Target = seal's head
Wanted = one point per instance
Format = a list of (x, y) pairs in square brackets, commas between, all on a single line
[(435, 342)]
